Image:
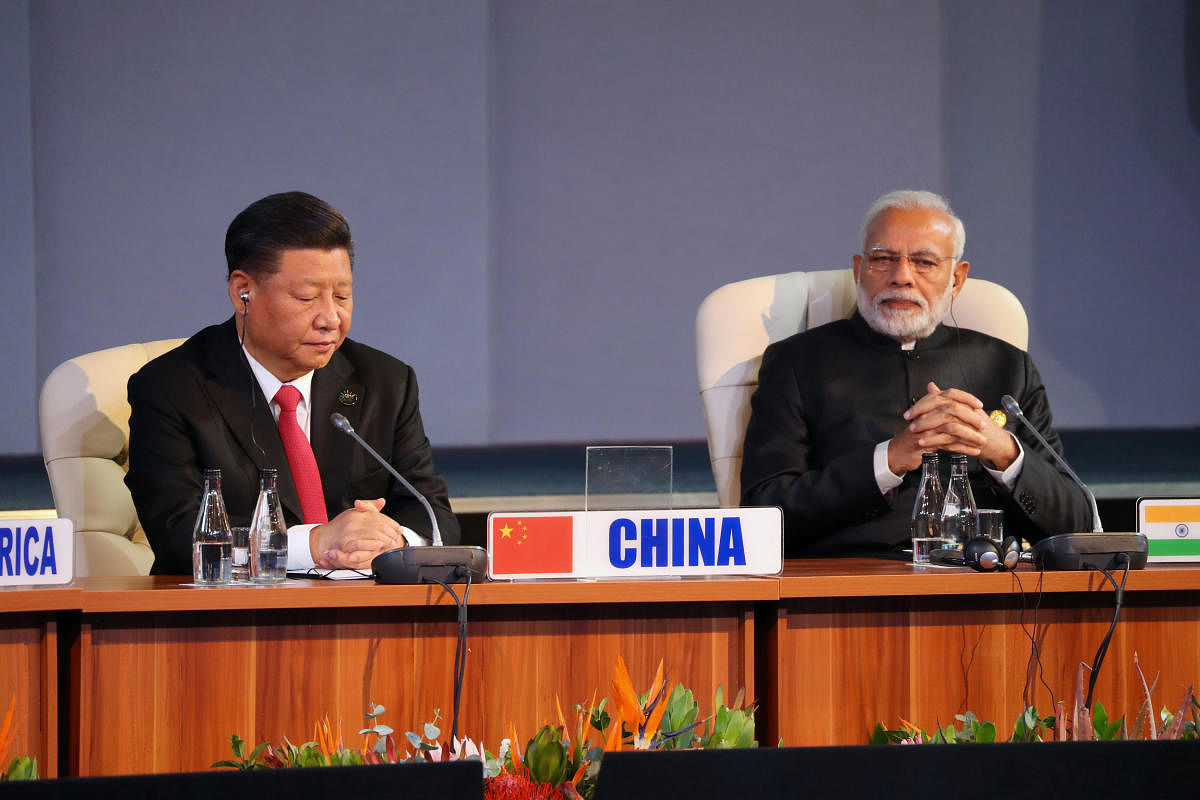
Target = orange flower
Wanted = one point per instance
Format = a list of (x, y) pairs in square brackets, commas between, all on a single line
[(646, 720), (7, 730), (518, 767), (626, 698)]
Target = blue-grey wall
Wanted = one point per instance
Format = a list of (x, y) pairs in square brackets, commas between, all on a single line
[(543, 191), (18, 361)]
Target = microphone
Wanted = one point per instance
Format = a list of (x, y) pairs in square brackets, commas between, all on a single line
[(437, 563), (1078, 551), (343, 425), (1010, 405)]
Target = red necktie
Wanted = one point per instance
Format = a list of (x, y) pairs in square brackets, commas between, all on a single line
[(300, 457)]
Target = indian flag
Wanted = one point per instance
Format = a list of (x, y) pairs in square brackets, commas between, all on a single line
[(1172, 529)]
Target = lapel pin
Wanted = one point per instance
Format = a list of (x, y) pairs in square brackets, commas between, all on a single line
[(998, 417), (348, 397)]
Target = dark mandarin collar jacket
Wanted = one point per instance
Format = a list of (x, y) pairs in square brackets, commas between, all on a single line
[(828, 395)]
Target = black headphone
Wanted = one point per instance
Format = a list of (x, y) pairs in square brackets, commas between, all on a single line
[(982, 555), (244, 297)]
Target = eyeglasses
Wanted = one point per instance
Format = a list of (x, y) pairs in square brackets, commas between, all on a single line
[(879, 260)]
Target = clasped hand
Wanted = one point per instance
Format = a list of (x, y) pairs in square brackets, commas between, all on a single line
[(951, 420), (354, 537)]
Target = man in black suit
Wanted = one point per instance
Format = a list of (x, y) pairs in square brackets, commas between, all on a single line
[(843, 412), (212, 402)]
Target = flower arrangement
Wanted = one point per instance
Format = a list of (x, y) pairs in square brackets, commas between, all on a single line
[(1083, 724), (559, 761), (22, 768)]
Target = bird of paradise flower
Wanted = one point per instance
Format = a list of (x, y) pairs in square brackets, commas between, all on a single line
[(645, 716)]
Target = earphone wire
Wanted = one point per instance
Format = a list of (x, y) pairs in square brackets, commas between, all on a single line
[(254, 388)]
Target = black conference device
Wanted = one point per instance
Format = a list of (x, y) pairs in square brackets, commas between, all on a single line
[(437, 563), (1078, 551)]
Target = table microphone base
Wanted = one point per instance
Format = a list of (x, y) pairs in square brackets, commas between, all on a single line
[(408, 565), (1077, 551)]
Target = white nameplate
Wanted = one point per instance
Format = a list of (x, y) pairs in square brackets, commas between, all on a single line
[(1171, 527), (36, 551), (635, 544)]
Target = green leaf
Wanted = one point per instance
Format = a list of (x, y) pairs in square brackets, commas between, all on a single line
[(432, 732), (22, 768), (413, 739)]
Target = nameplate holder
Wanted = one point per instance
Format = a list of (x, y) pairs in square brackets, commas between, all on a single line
[(635, 544), (36, 552), (1171, 527)]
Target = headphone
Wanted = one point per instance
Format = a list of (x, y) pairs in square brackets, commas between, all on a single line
[(982, 555), (244, 297)]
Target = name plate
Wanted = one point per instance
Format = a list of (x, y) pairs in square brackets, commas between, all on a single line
[(1171, 527), (635, 544), (36, 552)]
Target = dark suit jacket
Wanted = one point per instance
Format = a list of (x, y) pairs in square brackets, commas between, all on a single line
[(827, 396), (191, 409)]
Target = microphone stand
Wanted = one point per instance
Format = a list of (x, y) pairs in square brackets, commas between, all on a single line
[(437, 563)]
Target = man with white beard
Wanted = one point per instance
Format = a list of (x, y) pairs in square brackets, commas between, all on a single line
[(844, 412)]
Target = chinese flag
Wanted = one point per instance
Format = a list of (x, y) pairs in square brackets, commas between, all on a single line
[(531, 545)]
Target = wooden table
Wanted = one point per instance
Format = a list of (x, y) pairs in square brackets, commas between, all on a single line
[(164, 675), (29, 669), (853, 641), (159, 676)]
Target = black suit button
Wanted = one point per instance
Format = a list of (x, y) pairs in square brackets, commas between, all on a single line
[(913, 355)]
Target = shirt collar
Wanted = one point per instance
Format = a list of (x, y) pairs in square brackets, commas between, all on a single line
[(270, 384)]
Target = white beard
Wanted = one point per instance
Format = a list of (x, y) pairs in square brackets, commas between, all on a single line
[(906, 326)]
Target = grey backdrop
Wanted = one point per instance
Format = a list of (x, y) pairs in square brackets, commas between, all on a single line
[(542, 192)]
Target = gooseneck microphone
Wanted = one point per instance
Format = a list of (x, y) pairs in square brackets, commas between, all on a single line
[(343, 425), (435, 564), (1010, 405)]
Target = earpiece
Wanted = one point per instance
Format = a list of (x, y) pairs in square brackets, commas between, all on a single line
[(982, 555), (244, 297)]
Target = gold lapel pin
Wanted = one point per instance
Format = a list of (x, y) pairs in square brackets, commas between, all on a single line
[(998, 417)]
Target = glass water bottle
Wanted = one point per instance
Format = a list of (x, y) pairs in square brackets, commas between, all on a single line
[(268, 532), (926, 524), (212, 541), (960, 516)]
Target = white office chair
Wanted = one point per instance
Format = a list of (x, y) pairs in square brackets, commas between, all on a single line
[(84, 415), (736, 323)]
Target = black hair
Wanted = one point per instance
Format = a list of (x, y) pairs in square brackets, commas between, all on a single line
[(258, 236)]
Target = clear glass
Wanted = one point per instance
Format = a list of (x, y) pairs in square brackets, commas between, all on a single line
[(991, 524), (633, 477), (960, 516), (926, 524), (212, 541), (268, 532), (241, 554)]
